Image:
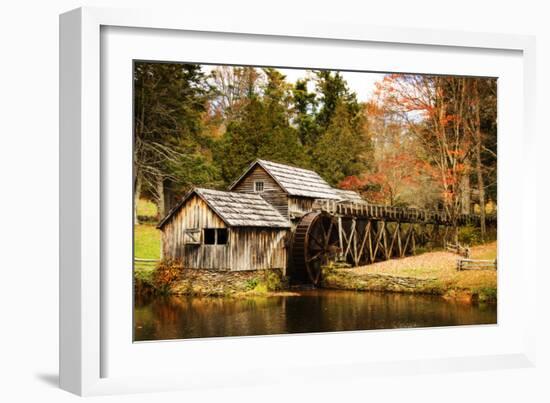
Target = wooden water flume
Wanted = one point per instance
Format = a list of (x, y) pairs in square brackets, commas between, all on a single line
[(360, 233)]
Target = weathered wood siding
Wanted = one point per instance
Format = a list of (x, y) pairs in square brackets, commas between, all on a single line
[(195, 214), (300, 204), (248, 248), (258, 248), (272, 193)]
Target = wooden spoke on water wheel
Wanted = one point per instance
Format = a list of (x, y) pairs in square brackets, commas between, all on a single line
[(315, 244)]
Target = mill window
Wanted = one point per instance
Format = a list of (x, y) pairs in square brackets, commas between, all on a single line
[(222, 236), (210, 236), (192, 236), (215, 236), (259, 186)]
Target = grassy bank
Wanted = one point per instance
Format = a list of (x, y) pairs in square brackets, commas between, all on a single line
[(430, 273), (146, 246), (146, 235)]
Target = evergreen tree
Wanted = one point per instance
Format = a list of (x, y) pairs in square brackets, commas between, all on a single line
[(261, 130), (333, 90), (342, 146), (340, 150), (305, 104)]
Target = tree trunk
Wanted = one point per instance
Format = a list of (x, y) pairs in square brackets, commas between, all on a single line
[(137, 195), (465, 194), (160, 198), (479, 171), (455, 234), (481, 189)]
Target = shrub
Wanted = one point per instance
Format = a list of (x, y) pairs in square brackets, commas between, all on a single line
[(261, 288), (469, 235), (143, 280), (273, 280), (486, 294), (166, 274), (250, 284)]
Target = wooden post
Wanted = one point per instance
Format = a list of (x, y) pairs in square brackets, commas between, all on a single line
[(354, 235), (371, 247), (413, 240), (366, 233), (350, 238), (407, 239), (399, 244), (394, 237), (340, 236), (380, 229), (385, 239)]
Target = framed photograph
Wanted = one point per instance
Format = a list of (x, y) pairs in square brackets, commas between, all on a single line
[(235, 194)]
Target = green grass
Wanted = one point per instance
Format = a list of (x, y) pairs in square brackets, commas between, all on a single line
[(144, 274), (146, 208), (146, 242)]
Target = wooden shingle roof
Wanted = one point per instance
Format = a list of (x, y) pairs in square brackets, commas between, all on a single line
[(294, 181), (349, 195), (236, 209)]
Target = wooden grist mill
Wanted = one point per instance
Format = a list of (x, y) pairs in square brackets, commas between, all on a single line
[(276, 216)]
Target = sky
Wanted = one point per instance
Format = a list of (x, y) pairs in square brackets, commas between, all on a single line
[(360, 83)]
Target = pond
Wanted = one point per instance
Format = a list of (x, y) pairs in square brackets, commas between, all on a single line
[(162, 318)]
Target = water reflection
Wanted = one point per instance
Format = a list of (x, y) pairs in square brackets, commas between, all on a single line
[(160, 318)]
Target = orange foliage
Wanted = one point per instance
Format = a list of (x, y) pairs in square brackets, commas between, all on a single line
[(393, 174)]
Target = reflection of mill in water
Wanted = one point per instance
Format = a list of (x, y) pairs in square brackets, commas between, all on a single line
[(158, 318)]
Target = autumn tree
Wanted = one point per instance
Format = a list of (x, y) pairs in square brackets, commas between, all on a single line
[(232, 88), (435, 110), (397, 175), (481, 124)]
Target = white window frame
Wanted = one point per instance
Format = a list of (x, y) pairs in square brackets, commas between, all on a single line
[(256, 182)]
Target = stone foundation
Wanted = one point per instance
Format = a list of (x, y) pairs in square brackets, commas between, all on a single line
[(224, 283)]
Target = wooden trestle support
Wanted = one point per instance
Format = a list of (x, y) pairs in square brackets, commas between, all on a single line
[(361, 233)]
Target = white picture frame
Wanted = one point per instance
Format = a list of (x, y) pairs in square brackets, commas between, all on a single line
[(87, 322)]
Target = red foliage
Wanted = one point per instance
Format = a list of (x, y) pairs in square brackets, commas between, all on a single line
[(393, 175)]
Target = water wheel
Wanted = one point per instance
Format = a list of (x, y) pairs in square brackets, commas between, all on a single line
[(314, 244)]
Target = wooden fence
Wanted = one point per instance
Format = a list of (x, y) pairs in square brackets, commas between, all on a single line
[(473, 264), (145, 263), (458, 249)]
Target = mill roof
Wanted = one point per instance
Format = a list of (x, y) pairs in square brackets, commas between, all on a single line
[(300, 182), (294, 181), (349, 195), (236, 209)]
